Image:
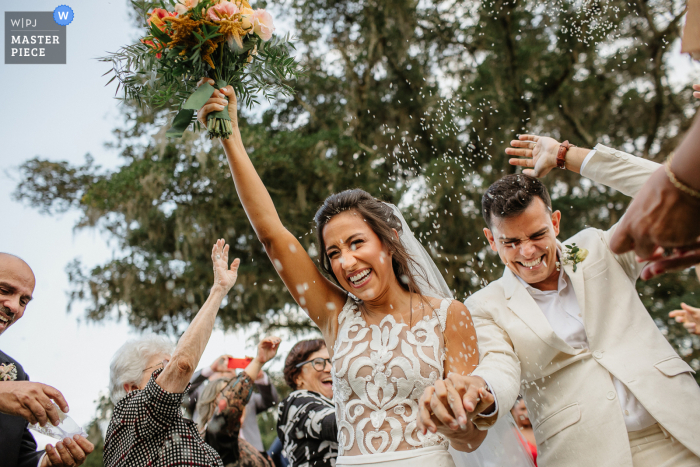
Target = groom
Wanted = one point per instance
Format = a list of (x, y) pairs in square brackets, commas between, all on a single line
[(568, 331)]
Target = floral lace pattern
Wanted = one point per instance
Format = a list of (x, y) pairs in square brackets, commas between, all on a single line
[(379, 373)]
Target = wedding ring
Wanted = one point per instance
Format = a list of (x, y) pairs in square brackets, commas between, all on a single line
[(533, 144)]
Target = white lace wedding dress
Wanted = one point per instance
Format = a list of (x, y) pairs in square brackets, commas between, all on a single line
[(379, 373), (380, 370)]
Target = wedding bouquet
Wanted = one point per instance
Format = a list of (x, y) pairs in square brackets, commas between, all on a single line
[(186, 40)]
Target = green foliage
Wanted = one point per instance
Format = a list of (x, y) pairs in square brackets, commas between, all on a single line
[(414, 102), (94, 430)]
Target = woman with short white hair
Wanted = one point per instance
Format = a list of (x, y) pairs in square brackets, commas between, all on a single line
[(132, 361), (148, 379)]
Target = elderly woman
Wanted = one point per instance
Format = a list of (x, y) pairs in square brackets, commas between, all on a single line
[(221, 406), (306, 423), (148, 380)]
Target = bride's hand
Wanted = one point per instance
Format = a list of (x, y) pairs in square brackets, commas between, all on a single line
[(221, 99), (441, 410)]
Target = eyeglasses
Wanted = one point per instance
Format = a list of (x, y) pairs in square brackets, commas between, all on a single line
[(319, 363), (164, 362)]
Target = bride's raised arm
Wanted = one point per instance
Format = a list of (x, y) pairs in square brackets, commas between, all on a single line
[(319, 297)]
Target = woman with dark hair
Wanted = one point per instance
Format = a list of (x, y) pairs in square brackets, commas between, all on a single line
[(391, 329), (306, 418), (221, 406)]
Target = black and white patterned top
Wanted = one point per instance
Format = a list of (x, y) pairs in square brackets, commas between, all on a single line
[(307, 428), (147, 429)]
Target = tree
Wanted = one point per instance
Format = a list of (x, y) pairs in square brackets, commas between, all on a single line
[(415, 103)]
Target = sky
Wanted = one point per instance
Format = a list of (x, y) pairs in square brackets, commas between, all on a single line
[(62, 112)]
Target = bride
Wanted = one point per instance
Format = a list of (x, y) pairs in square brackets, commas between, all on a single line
[(386, 314)]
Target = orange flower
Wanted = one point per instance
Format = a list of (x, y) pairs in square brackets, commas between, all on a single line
[(157, 16)]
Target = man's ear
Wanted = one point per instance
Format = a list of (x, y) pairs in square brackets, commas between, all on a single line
[(489, 237), (556, 220)]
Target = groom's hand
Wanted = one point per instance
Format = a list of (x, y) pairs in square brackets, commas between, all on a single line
[(474, 392)]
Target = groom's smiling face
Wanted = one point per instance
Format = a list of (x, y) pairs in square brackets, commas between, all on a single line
[(527, 243)]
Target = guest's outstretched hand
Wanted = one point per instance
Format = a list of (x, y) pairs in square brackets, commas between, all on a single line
[(224, 277), (696, 91), (267, 349), (676, 260), (539, 153), (689, 316), (659, 215), (220, 365), (69, 452)]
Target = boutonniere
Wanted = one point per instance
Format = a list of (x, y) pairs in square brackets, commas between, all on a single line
[(573, 255), (8, 372)]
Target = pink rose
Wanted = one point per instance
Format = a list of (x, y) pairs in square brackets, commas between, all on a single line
[(222, 10), (262, 24)]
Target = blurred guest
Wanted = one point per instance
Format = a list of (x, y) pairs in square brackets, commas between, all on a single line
[(688, 316), (22, 401), (221, 408), (306, 423), (148, 382), (276, 453), (265, 397), (217, 370), (519, 412)]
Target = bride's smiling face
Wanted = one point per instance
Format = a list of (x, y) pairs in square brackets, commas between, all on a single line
[(359, 259)]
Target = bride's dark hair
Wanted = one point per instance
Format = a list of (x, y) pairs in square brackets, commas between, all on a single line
[(381, 219)]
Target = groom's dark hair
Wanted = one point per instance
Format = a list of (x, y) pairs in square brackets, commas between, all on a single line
[(511, 195)]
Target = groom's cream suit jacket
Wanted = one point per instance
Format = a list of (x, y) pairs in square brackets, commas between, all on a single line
[(569, 393)]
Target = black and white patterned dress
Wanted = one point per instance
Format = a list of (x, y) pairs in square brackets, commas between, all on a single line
[(148, 429), (307, 427)]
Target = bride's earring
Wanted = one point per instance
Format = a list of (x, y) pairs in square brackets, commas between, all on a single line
[(558, 264)]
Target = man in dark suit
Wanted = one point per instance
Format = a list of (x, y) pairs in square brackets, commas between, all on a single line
[(22, 401)]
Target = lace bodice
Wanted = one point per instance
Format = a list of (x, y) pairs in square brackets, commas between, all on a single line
[(379, 373)]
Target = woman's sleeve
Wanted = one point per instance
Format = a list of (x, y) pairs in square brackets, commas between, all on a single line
[(152, 410), (315, 418), (236, 395)]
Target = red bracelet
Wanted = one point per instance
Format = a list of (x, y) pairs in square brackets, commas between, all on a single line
[(561, 155)]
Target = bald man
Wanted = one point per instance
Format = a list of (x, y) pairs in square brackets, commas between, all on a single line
[(22, 401)]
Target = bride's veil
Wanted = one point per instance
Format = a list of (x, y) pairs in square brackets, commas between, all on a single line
[(503, 445)]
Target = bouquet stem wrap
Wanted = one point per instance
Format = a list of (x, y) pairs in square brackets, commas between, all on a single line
[(218, 123)]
